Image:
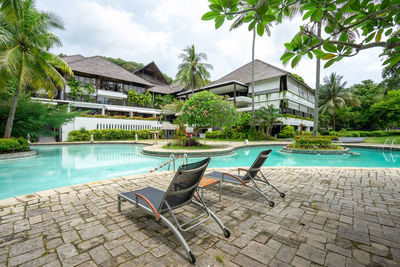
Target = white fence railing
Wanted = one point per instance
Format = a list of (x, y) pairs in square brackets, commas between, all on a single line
[(104, 123)]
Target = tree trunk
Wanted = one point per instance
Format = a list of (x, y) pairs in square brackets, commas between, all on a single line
[(333, 120), (317, 85), (252, 74), (11, 114), (193, 74)]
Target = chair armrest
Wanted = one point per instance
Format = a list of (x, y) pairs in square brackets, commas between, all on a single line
[(149, 203), (237, 178), (241, 169)]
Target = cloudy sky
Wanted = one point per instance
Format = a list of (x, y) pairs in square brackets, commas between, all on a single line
[(158, 30)]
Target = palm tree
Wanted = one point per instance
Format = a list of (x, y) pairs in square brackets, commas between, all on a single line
[(266, 117), (334, 94), (25, 38), (192, 72), (243, 5)]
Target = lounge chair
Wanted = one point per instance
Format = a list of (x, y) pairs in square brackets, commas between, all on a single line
[(253, 175), (181, 191)]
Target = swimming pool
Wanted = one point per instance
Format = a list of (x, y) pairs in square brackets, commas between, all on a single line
[(62, 165)]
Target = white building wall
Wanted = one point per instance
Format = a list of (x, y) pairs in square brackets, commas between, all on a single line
[(264, 85), (105, 123)]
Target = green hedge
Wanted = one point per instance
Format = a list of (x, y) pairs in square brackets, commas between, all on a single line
[(287, 132), (109, 135), (11, 145), (344, 133), (306, 142), (234, 133)]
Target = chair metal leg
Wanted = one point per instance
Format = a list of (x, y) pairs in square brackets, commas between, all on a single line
[(180, 238), (256, 188), (216, 219), (119, 204), (276, 189), (219, 189)]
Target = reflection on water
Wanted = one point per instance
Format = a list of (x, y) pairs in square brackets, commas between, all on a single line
[(57, 166)]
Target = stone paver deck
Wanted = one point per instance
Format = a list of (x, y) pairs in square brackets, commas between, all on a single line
[(330, 217)]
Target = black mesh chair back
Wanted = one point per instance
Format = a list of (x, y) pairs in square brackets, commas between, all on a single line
[(184, 185), (257, 164)]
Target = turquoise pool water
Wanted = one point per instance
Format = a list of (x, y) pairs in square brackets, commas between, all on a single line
[(57, 166)]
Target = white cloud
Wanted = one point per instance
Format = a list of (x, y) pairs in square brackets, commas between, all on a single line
[(158, 30)]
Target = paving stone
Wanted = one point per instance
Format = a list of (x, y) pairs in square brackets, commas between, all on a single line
[(311, 253), (259, 252), (41, 261), (356, 221), (334, 259), (66, 251), (92, 232), (361, 256), (286, 253), (135, 248), (243, 260), (76, 260), (114, 234), (70, 236), (300, 262), (91, 243), (54, 243), (342, 251), (26, 257), (26, 246), (353, 235), (99, 254)]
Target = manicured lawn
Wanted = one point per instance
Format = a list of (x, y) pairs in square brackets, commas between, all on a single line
[(189, 148), (381, 140)]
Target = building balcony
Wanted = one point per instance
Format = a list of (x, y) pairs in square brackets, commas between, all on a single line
[(241, 101), (111, 94), (290, 96)]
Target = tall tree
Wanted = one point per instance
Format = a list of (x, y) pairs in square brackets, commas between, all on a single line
[(334, 94), (246, 8), (193, 72), (25, 38), (246, 11)]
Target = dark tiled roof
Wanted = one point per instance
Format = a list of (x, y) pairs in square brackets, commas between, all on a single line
[(100, 66), (73, 58), (262, 71), (152, 67), (166, 89)]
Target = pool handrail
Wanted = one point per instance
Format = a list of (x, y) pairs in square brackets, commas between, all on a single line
[(393, 142), (384, 144)]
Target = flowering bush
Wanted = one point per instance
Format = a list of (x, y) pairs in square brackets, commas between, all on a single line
[(205, 110)]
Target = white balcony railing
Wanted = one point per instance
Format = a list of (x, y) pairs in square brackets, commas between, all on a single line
[(111, 94)]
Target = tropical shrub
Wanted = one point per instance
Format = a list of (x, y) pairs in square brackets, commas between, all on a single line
[(214, 134), (344, 133), (141, 100), (109, 135), (11, 145), (287, 132), (206, 110), (33, 118), (305, 142), (255, 135)]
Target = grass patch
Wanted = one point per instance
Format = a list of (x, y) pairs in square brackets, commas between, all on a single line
[(188, 147), (381, 139), (219, 258)]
